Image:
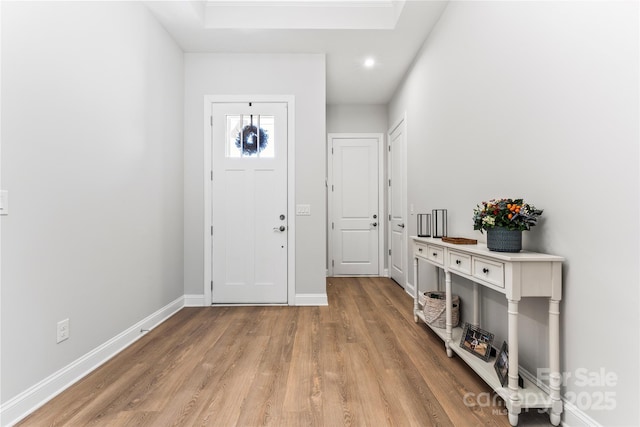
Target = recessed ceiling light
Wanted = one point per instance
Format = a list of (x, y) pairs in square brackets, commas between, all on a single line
[(369, 62)]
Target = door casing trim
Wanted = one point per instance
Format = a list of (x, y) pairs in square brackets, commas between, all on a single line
[(381, 196), (208, 200)]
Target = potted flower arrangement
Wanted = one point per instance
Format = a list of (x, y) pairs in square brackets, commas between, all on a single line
[(504, 220)]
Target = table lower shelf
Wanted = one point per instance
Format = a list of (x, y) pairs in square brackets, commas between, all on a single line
[(531, 396)]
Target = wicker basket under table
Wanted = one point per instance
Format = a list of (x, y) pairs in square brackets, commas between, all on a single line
[(434, 308)]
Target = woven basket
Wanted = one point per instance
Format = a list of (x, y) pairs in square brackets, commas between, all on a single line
[(434, 308)]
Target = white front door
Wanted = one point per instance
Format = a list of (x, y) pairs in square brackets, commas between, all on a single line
[(249, 193), (397, 204), (355, 217)]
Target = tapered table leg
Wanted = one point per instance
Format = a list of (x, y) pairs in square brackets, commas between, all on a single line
[(514, 404), (416, 291), (449, 322), (554, 362), (476, 304)]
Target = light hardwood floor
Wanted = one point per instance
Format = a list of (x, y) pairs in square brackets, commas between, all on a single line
[(361, 361)]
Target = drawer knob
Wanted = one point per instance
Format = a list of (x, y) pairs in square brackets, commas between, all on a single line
[(485, 270), (458, 262)]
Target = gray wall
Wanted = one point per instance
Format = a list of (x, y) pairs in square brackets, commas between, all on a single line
[(92, 158), (226, 74), (354, 118), (540, 100)]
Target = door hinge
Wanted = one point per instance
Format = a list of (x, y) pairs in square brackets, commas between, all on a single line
[(389, 148), (333, 263), (389, 183), (331, 187), (211, 175), (332, 226), (212, 286), (211, 120), (212, 230), (331, 150), (389, 217), (389, 251)]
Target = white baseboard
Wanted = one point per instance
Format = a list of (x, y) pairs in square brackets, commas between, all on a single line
[(311, 299), (572, 416), (34, 397), (385, 272), (194, 301), (410, 289)]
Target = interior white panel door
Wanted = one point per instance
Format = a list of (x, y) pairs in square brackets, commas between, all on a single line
[(249, 233), (355, 206), (397, 205)]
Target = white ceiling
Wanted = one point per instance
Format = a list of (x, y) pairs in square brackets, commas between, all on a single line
[(347, 31)]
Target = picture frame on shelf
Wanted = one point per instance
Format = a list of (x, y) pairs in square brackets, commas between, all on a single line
[(476, 341), (502, 364)]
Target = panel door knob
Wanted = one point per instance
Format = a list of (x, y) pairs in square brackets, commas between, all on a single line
[(401, 225), (281, 228)]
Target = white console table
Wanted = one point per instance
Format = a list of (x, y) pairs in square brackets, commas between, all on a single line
[(516, 275)]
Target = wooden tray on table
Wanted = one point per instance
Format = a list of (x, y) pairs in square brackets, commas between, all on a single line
[(460, 240)]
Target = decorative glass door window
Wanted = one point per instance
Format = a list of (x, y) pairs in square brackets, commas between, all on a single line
[(250, 135)]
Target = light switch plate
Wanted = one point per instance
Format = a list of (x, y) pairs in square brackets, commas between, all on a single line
[(303, 210), (4, 202)]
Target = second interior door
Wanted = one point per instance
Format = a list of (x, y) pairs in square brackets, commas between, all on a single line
[(355, 217), (397, 205)]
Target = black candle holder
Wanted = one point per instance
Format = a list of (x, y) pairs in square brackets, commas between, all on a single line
[(439, 221), (424, 225)]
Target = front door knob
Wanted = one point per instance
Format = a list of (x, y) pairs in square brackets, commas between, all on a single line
[(401, 225), (281, 228)]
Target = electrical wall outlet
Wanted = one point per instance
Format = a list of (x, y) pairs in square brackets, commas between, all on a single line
[(63, 330)]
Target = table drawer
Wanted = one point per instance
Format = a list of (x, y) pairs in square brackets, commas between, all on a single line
[(420, 249), (459, 262), (488, 271), (435, 254)]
